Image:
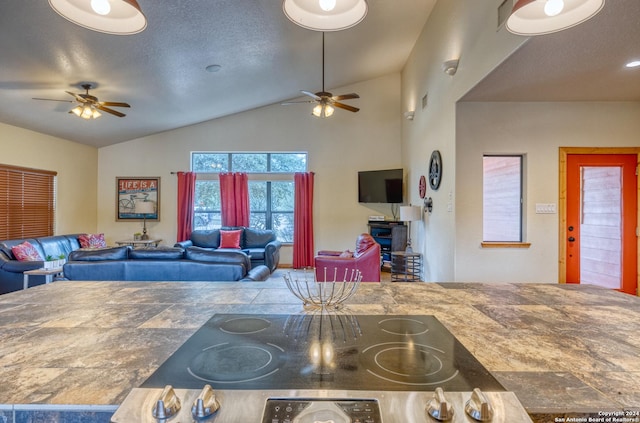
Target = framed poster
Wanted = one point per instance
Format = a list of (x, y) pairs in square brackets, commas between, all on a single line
[(133, 195)]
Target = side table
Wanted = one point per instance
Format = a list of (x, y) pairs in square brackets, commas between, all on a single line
[(141, 243), (48, 275), (405, 267)]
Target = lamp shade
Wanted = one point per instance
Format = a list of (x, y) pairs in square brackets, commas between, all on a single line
[(410, 213), (144, 207), (538, 17), (119, 17), (324, 15)]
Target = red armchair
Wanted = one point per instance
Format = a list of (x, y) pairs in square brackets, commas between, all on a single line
[(366, 258)]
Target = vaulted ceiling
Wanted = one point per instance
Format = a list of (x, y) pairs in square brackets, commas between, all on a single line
[(263, 59)]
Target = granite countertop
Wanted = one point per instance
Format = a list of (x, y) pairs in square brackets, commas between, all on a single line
[(560, 348)]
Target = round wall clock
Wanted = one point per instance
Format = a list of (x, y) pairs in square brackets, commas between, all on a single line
[(435, 170), (422, 186)]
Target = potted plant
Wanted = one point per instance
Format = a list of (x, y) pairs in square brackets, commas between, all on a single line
[(54, 263), (137, 236)]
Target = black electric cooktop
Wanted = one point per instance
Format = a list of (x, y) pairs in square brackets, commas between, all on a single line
[(323, 351)]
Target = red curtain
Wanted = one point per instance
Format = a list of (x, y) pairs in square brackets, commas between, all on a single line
[(303, 221), (234, 199), (186, 195)]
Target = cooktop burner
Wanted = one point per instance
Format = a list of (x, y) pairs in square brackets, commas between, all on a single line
[(323, 351)]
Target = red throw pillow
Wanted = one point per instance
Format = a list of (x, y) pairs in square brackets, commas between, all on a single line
[(364, 242), (92, 241), (230, 239), (26, 252)]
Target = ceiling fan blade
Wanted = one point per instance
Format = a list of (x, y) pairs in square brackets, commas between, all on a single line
[(113, 104), (310, 94), (76, 96), (51, 99), (106, 109), (346, 96), (345, 106)]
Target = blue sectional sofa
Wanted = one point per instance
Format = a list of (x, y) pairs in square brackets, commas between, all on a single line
[(161, 264), (11, 269), (260, 245)]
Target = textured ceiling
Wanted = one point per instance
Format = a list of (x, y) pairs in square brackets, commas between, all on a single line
[(585, 63), (266, 59), (160, 72)]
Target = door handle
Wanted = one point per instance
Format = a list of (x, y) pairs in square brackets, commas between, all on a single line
[(571, 239)]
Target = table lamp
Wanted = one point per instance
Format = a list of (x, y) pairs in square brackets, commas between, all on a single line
[(410, 214), (144, 208)]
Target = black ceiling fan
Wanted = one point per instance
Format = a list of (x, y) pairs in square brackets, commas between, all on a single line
[(88, 104), (326, 101)]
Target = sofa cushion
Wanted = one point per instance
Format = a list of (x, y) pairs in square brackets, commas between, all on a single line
[(206, 239), (26, 252), (113, 253), (230, 239), (92, 241), (159, 253), (256, 238), (216, 256)]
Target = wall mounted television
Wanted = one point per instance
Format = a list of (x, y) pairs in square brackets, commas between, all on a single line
[(380, 186)]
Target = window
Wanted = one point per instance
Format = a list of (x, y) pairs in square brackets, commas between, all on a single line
[(27, 202), (271, 188), (502, 198)]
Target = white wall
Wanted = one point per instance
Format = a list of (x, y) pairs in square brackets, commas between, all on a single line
[(76, 165), (338, 147), (536, 130), (456, 29)]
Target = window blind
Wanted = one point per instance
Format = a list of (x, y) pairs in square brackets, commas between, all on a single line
[(27, 202)]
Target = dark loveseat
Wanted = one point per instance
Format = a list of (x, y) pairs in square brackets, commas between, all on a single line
[(259, 244), (161, 264), (11, 270)]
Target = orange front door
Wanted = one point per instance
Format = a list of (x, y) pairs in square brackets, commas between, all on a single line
[(601, 240)]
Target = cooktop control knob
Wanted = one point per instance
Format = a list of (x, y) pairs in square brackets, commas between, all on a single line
[(439, 408), (478, 406), (206, 404), (168, 404)]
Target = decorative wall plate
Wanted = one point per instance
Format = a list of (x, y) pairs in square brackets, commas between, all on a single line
[(435, 170), (422, 186)]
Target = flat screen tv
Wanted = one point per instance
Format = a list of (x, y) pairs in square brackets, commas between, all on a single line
[(380, 186)]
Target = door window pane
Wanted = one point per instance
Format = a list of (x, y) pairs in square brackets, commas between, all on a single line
[(502, 199), (601, 226)]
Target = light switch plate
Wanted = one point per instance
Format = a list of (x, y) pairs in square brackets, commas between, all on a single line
[(545, 208)]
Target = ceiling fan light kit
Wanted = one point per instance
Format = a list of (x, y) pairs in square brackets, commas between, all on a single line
[(325, 15), (118, 17), (539, 17), (88, 105)]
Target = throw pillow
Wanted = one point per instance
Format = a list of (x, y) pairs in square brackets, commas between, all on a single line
[(230, 239), (346, 254), (26, 252), (92, 241)]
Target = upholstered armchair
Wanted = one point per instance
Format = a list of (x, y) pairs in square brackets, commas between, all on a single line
[(332, 265)]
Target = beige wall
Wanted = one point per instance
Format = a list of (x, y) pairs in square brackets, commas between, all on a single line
[(536, 130), (76, 165), (456, 29), (338, 147)]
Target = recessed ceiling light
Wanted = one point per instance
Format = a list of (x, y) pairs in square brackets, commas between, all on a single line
[(633, 64), (213, 68)]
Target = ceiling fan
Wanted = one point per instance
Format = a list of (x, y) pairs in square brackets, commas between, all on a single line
[(88, 105), (327, 102)]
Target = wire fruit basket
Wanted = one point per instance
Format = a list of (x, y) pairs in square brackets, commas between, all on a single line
[(330, 293)]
